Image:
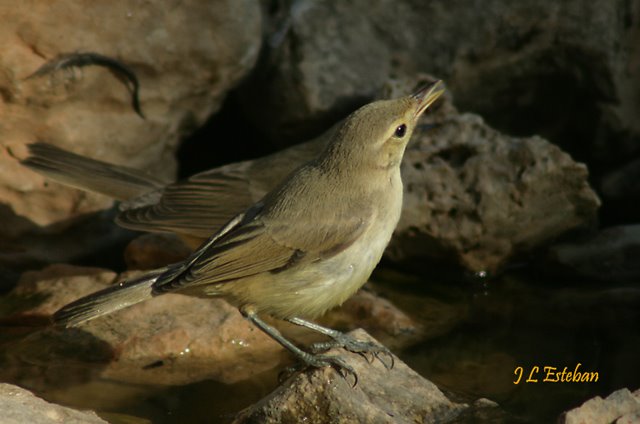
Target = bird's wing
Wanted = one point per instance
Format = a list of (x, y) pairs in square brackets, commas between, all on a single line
[(248, 246), (206, 201), (196, 207)]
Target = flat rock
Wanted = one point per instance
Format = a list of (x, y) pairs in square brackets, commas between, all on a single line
[(620, 407), (199, 339), (398, 395), (20, 406)]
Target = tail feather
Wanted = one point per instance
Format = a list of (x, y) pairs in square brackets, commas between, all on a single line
[(111, 299), (118, 182)]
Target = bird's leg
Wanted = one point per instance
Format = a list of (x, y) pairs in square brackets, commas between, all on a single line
[(345, 341), (309, 359)]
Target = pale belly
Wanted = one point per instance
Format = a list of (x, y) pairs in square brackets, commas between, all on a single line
[(310, 290)]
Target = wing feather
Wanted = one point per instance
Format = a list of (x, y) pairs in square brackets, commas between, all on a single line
[(249, 247), (194, 207)]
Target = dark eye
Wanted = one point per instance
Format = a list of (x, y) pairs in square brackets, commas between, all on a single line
[(401, 131)]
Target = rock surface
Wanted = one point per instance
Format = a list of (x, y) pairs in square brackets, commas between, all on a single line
[(398, 395), (620, 407), (144, 344), (186, 60), (154, 250), (482, 197), (565, 70), (20, 406)]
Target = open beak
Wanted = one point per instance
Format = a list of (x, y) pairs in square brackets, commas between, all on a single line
[(427, 95)]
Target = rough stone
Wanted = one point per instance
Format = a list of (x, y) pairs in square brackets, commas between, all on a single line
[(398, 395), (172, 339), (378, 316), (565, 70), (20, 406), (481, 197), (620, 407), (186, 61), (610, 255)]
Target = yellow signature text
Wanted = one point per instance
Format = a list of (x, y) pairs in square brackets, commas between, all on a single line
[(549, 374)]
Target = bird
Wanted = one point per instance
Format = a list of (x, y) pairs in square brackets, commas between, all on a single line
[(304, 247)]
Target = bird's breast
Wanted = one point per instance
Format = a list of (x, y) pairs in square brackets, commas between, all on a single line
[(334, 280), (311, 288)]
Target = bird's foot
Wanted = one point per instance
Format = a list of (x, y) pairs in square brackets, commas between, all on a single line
[(363, 348), (319, 361)]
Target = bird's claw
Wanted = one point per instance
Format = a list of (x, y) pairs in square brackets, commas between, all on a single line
[(357, 346), (319, 361)]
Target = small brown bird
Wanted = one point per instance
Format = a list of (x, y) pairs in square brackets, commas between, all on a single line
[(306, 246)]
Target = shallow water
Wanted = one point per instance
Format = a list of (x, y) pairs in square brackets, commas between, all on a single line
[(477, 333), (515, 323)]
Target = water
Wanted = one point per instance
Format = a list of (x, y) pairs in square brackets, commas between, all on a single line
[(519, 321), (476, 334)]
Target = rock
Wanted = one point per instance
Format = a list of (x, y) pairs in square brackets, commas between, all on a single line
[(316, 79), (485, 411), (20, 406), (155, 250), (610, 255), (186, 61), (144, 344), (398, 395), (620, 407), (378, 316), (563, 70), (480, 197), (40, 293)]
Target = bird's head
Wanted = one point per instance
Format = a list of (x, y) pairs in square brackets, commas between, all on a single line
[(377, 134)]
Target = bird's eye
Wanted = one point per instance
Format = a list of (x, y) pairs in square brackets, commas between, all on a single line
[(401, 131)]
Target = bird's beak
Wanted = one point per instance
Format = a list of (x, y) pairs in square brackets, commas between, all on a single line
[(427, 95)]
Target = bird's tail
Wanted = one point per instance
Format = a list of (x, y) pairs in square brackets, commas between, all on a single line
[(118, 182), (111, 299)]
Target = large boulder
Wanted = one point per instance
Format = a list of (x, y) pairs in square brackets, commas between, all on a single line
[(186, 61)]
